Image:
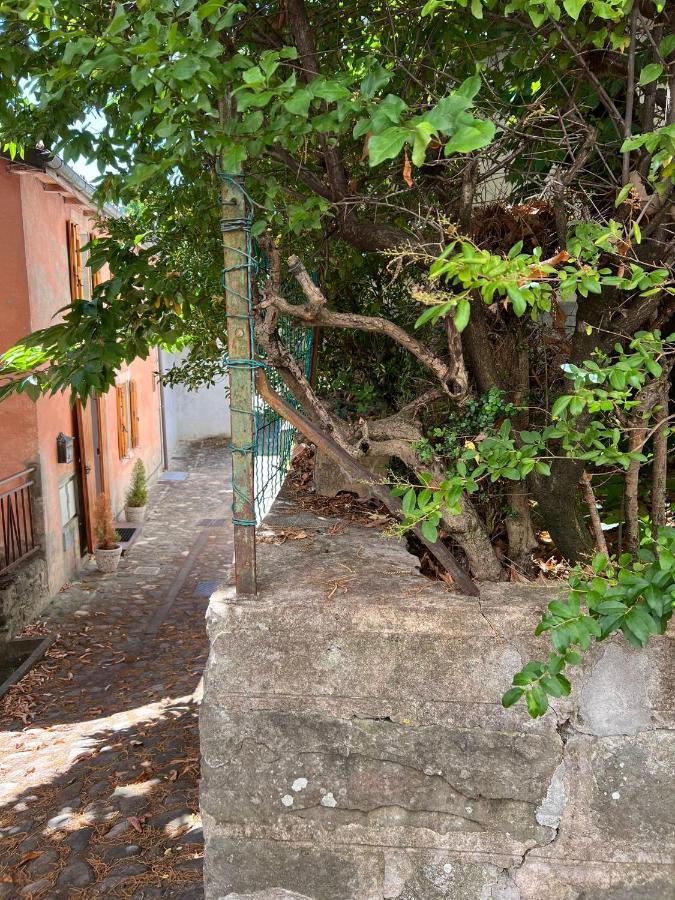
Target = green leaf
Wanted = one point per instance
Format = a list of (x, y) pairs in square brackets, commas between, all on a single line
[(434, 312), (375, 80), (462, 315), (552, 686), (119, 22), (512, 696), (185, 68), (574, 7), (299, 102), (429, 531), (208, 8), (409, 501), (423, 132), (330, 90), (469, 87), (517, 299), (653, 367), (667, 45), (537, 701), (387, 145), (623, 193), (640, 624), (599, 563), (471, 137), (444, 117), (650, 73)]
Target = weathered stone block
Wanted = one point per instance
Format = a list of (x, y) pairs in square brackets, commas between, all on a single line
[(355, 748), (24, 593)]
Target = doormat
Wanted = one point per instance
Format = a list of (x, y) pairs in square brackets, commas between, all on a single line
[(173, 476), (206, 588)]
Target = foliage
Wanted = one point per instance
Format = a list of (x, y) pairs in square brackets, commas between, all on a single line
[(606, 390), (526, 283), (137, 495), (476, 417), (104, 530), (436, 156), (632, 596)]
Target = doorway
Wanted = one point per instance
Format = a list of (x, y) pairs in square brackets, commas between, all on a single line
[(91, 462)]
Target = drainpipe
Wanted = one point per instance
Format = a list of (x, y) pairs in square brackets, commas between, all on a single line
[(162, 411)]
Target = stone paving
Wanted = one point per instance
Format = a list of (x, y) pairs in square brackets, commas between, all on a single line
[(99, 782)]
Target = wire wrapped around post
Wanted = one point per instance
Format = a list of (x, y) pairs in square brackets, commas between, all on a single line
[(238, 271)]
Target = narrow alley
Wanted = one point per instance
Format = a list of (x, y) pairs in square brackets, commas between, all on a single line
[(100, 750)]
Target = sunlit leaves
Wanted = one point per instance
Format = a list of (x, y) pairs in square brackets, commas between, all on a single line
[(634, 596), (387, 145)]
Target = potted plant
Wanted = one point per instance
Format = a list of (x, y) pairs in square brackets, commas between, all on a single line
[(107, 551), (137, 495)]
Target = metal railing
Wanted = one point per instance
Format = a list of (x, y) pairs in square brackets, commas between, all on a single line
[(17, 531)]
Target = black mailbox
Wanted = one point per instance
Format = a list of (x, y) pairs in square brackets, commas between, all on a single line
[(64, 448)]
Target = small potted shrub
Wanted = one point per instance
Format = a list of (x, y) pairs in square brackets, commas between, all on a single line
[(107, 551), (137, 495)]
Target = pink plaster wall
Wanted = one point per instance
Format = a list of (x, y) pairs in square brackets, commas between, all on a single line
[(44, 226), (34, 286), (149, 433), (18, 416)]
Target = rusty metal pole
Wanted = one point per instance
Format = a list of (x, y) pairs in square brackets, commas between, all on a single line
[(235, 225)]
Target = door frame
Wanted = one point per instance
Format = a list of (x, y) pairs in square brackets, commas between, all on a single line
[(86, 463)]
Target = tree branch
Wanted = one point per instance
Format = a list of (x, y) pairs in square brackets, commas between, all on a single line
[(630, 93), (303, 36), (608, 103), (589, 497), (314, 313), (354, 469)]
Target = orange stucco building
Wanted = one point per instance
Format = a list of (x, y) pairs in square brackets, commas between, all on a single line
[(46, 216)]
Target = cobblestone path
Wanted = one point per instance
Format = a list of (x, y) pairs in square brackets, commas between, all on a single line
[(99, 784)]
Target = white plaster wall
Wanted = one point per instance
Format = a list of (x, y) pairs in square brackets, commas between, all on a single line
[(191, 415)]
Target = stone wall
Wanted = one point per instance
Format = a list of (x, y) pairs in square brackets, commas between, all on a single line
[(23, 595), (354, 746)]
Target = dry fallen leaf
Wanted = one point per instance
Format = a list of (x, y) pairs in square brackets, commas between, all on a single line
[(28, 856), (135, 824), (407, 172)]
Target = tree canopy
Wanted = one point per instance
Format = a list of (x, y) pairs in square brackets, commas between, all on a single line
[(484, 190)]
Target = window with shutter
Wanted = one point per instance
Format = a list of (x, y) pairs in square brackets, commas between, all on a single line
[(87, 280), (122, 421), (133, 414), (75, 261)]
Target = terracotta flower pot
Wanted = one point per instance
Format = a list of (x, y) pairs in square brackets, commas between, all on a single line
[(108, 560), (135, 513)]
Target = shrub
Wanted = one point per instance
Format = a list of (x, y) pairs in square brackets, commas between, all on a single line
[(137, 495)]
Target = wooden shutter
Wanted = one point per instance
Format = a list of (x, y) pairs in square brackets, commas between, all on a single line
[(96, 278), (75, 261), (122, 428), (133, 412)]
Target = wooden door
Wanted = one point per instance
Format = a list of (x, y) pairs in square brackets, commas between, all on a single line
[(99, 435), (86, 459)]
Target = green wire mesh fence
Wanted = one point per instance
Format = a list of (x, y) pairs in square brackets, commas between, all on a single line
[(274, 436)]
